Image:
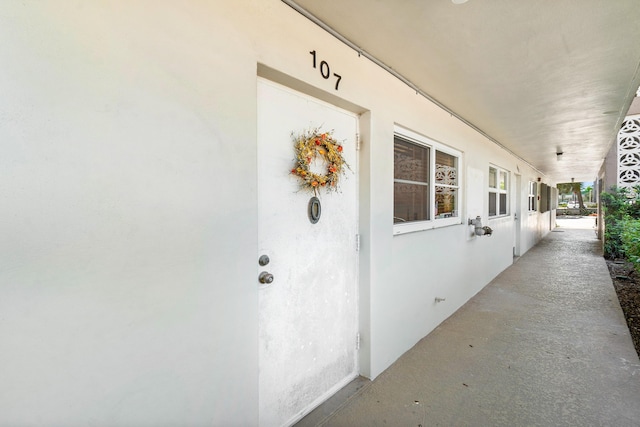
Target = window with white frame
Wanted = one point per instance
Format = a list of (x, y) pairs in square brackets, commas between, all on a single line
[(410, 181), (426, 182), (446, 185), (498, 191), (533, 195)]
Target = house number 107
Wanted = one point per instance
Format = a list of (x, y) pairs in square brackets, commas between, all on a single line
[(325, 71)]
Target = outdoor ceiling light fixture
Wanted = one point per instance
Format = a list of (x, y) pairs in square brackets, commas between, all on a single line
[(559, 154), (458, 1)]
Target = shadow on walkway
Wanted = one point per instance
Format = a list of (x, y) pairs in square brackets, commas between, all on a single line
[(544, 344)]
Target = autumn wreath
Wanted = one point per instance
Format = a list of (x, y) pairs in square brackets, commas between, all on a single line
[(310, 145)]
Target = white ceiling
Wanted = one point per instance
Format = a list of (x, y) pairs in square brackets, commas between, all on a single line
[(536, 76)]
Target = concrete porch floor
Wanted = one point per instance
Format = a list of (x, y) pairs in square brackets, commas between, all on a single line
[(544, 344)]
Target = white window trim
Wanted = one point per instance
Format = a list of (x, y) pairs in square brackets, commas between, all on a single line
[(410, 227), (533, 194), (498, 191)]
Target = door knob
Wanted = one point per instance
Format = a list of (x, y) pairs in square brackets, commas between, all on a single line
[(265, 277)]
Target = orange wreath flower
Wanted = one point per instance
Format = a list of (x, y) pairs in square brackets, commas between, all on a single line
[(311, 145)]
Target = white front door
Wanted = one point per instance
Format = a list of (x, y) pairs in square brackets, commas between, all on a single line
[(308, 314)]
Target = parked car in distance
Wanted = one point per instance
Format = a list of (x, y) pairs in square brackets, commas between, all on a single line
[(572, 205)]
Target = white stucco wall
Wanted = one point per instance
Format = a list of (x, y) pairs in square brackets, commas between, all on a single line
[(127, 177), (128, 293)]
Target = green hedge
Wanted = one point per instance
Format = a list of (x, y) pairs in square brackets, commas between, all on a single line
[(630, 236), (622, 223)]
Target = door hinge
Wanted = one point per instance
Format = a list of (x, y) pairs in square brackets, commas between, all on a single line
[(357, 141), (357, 242), (358, 341)]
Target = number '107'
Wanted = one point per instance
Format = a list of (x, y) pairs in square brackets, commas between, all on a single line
[(325, 70)]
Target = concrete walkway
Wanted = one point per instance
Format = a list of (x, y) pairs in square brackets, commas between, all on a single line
[(544, 344)]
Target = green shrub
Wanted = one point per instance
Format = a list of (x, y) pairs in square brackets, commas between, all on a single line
[(613, 247), (621, 207), (630, 236)]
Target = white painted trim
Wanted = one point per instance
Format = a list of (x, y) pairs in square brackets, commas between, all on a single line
[(411, 227), (498, 191)]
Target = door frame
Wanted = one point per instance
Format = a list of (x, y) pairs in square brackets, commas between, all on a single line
[(518, 217), (295, 86)]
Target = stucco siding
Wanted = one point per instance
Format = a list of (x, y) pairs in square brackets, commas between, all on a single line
[(128, 265)]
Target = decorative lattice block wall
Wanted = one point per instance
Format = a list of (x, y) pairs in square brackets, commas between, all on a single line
[(629, 152)]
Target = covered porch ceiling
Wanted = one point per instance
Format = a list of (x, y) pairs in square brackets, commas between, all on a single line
[(538, 77)]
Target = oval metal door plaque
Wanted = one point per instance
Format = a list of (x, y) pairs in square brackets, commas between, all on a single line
[(314, 210)]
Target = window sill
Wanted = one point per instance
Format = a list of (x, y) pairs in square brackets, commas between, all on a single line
[(491, 218), (413, 227)]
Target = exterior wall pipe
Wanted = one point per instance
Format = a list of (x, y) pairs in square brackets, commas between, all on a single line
[(478, 228)]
